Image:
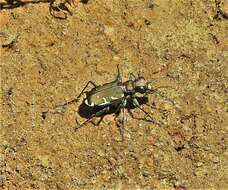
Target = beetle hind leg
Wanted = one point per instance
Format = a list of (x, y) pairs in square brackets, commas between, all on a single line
[(100, 120), (69, 101), (97, 114)]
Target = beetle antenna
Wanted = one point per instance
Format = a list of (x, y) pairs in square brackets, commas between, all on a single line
[(159, 93)]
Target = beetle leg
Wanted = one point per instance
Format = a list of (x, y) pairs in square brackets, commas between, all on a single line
[(132, 76), (100, 120), (156, 108), (159, 93), (83, 90), (130, 112), (99, 113), (77, 98), (136, 104), (138, 118), (121, 107), (118, 78), (152, 119), (122, 129)]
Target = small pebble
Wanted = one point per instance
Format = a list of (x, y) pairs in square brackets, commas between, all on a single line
[(216, 159), (198, 164), (109, 30)]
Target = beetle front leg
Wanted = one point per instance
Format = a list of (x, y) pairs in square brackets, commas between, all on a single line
[(138, 118), (156, 108), (136, 104)]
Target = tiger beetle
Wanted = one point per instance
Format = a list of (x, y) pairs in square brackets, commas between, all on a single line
[(115, 95)]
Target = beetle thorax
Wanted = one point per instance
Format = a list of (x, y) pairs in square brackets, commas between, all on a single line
[(129, 86)]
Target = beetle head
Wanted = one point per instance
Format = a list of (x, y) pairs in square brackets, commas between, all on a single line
[(142, 85)]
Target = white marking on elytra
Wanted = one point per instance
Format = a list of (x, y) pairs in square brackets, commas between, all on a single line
[(87, 103), (114, 98), (105, 101)]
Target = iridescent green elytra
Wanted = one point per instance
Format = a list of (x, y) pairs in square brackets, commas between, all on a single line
[(106, 94)]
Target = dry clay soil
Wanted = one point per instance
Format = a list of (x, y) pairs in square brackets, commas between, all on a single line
[(181, 45)]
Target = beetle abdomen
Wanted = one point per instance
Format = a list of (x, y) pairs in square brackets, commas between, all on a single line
[(104, 95)]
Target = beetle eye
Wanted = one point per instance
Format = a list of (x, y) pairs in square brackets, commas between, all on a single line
[(141, 89)]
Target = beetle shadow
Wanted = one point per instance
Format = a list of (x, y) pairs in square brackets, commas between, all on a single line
[(86, 111)]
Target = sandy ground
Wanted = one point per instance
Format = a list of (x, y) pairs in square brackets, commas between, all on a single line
[(181, 45)]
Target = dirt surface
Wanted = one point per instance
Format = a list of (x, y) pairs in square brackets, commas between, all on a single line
[(181, 45)]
